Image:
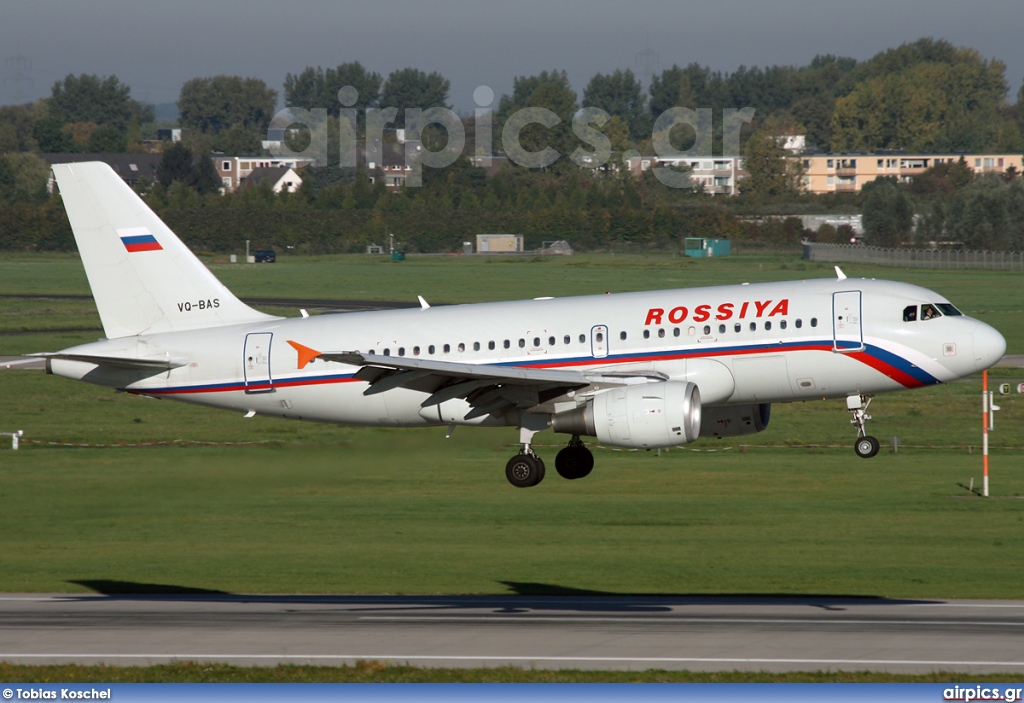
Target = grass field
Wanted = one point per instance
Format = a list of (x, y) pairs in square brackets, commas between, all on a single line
[(212, 498)]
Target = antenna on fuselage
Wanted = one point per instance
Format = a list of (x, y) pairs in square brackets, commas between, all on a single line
[(839, 274)]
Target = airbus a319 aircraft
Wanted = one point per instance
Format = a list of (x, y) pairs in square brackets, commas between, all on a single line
[(638, 370)]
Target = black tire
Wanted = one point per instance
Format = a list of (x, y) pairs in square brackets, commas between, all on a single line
[(574, 462), (523, 471), (866, 447)]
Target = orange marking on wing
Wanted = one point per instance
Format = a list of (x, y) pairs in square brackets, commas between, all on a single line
[(306, 354)]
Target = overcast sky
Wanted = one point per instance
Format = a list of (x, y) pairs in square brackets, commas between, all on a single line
[(155, 47)]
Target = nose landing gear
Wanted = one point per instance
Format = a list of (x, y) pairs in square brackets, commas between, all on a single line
[(866, 446)]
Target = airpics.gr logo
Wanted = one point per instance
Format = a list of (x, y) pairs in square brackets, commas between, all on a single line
[(137, 239)]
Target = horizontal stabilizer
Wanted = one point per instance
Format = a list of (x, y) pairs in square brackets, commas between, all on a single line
[(120, 362)]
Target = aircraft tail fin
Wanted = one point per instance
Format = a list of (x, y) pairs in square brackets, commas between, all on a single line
[(144, 279)]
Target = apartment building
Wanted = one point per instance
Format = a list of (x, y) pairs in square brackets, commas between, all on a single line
[(718, 175), (847, 173)]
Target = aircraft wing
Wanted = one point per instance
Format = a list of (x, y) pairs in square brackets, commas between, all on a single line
[(488, 388)]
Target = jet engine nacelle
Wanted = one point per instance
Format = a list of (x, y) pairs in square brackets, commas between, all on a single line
[(735, 420), (646, 416)]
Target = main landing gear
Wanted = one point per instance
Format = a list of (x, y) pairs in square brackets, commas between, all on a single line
[(866, 446), (526, 469)]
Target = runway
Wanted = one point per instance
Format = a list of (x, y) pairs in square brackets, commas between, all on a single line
[(580, 632)]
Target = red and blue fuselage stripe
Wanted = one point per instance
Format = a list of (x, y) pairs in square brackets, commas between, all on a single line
[(885, 362)]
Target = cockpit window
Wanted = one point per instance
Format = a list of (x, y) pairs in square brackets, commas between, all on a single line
[(929, 311), (910, 313), (948, 309)]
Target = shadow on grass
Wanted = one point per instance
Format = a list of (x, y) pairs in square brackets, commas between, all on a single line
[(525, 596)]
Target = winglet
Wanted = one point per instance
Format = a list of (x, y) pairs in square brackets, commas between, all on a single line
[(839, 274), (424, 305), (306, 354)]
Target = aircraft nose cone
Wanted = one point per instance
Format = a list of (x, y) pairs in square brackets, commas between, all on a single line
[(989, 346)]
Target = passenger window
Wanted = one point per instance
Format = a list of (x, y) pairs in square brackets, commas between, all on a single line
[(675, 331), (707, 329), (567, 339), (799, 323), (430, 349), (506, 344), (599, 336), (490, 345), (721, 329), (536, 342), (462, 347), (814, 322), (661, 332), (691, 331), (622, 336), (910, 313), (476, 346), (551, 341), (387, 352), (447, 348), (647, 334), (768, 325), (522, 343), (415, 351), (753, 327), (782, 324), (401, 351), (737, 327), (929, 311)]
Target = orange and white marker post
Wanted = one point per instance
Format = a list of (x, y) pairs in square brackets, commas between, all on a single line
[(988, 416)]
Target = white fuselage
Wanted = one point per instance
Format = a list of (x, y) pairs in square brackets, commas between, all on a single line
[(779, 342)]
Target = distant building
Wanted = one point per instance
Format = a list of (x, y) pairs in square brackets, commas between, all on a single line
[(280, 178), (497, 243), (847, 173), (131, 167), (718, 175), (232, 170)]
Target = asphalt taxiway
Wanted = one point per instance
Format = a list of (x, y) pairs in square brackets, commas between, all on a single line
[(557, 632)]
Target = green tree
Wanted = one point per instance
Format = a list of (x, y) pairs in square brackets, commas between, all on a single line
[(770, 173), (106, 139), (620, 95), (888, 213), (412, 88), (23, 177), (927, 96), (218, 103), (549, 90), (89, 98), (175, 165), (317, 88)]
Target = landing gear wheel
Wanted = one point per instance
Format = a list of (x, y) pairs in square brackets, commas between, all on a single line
[(574, 462), (866, 447), (524, 470)]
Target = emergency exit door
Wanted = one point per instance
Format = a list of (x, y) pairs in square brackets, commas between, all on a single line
[(847, 328), (256, 362)]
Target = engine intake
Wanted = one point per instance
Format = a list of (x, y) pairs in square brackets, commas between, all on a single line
[(646, 416)]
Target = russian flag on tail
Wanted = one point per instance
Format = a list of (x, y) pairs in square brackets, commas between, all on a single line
[(138, 239)]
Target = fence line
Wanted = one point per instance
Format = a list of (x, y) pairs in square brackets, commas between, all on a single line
[(915, 258)]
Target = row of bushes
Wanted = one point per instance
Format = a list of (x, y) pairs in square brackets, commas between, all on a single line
[(25, 227)]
